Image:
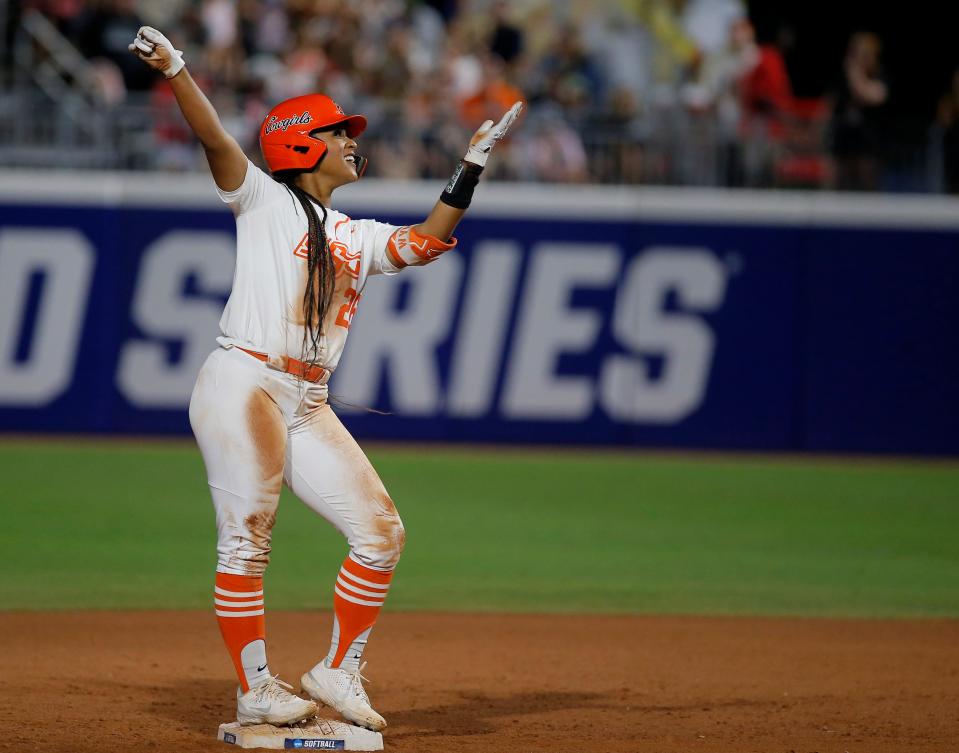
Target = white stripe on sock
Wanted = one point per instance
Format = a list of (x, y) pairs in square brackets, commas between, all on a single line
[(370, 584), (244, 594), (247, 603), (238, 614), (360, 591), (355, 600)]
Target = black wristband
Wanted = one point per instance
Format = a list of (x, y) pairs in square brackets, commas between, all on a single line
[(459, 191)]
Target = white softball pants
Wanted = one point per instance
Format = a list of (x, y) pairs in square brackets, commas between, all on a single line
[(258, 427)]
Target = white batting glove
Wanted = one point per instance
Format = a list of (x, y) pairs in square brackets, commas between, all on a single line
[(157, 51), (488, 134)]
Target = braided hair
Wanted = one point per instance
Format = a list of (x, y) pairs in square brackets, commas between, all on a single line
[(320, 272)]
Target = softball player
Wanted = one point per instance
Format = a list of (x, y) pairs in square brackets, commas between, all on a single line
[(259, 408)]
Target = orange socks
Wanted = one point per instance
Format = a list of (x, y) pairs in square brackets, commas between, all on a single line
[(238, 602), (357, 597)]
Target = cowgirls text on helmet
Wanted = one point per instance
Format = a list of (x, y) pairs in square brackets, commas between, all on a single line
[(285, 138)]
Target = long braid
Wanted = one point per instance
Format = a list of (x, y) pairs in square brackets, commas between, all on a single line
[(320, 274), (321, 278)]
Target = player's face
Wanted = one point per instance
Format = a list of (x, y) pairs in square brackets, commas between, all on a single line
[(339, 164)]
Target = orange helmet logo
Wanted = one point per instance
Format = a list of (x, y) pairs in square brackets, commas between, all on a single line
[(273, 123), (285, 134)]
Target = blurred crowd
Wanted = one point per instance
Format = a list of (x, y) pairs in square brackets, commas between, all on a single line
[(669, 91)]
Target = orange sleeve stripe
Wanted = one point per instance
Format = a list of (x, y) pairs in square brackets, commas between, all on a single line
[(406, 243), (429, 243), (393, 254)]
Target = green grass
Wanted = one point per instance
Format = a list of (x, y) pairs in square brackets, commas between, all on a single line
[(113, 525)]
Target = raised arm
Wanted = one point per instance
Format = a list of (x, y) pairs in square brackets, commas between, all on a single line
[(227, 161), (455, 199)]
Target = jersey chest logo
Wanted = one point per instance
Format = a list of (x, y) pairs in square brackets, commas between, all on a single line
[(345, 261)]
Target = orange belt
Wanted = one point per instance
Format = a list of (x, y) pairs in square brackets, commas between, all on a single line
[(309, 372)]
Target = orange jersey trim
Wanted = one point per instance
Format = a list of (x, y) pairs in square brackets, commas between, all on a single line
[(424, 247)]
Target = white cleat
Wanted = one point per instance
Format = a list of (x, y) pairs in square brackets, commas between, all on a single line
[(343, 691), (271, 702)]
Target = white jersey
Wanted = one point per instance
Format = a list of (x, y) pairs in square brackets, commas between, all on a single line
[(265, 309)]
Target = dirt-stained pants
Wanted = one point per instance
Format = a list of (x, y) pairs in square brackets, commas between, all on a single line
[(257, 427)]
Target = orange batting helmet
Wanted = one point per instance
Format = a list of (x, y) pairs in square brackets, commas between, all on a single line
[(285, 134)]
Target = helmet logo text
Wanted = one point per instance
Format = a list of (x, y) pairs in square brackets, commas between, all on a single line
[(273, 124)]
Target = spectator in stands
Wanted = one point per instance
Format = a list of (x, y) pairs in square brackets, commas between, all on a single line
[(463, 67), (496, 88), (551, 150), (857, 112), (765, 91), (506, 40), (264, 27), (676, 58), (645, 88), (621, 45), (708, 23), (221, 27), (765, 103), (104, 32), (64, 14), (617, 136), (571, 78)]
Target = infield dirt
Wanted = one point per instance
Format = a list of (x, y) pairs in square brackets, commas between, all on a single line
[(161, 681)]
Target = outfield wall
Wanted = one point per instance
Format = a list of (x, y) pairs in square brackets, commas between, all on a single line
[(661, 317)]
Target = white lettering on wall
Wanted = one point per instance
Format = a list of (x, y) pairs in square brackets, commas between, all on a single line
[(64, 261), (683, 341), (481, 336), (656, 316), (549, 327), (146, 375)]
